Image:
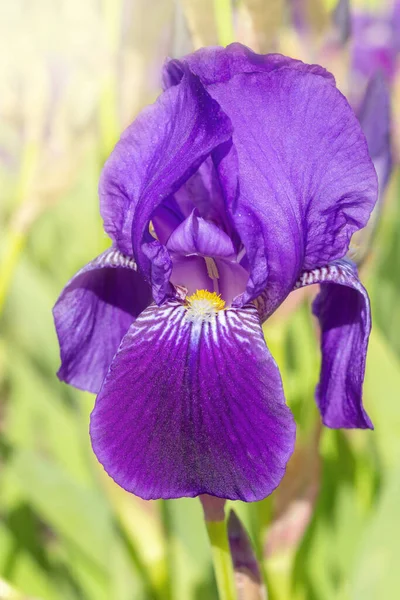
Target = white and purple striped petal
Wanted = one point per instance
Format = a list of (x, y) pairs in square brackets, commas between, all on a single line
[(192, 407)]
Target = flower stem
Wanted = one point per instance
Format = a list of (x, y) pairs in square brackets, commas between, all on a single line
[(221, 558)]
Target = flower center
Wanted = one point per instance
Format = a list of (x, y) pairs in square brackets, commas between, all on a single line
[(203, 305)]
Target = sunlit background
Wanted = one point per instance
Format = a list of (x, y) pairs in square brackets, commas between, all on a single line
[(73, 74)]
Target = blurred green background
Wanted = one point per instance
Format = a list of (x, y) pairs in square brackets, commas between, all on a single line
[(73, 74)]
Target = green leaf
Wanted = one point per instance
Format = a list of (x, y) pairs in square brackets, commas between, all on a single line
[(326, 556), (381, 397), (377, 574), (76, 513)]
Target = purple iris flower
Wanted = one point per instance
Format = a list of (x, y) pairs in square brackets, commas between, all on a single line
[(244, 181)]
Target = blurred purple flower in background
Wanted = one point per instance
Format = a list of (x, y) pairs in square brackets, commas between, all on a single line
[(370, 43), (375, 43), (374, 114), (374, 62), (245, 180)]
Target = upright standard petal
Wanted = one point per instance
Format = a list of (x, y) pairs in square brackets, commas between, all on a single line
[(343, 311), (218, 65), (298, 177), (193, 407), (155, 155), (93, 313)]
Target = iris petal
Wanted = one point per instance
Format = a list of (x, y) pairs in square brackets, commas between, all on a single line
[(204, 192), (198, 236), (164, 146), (297, 178), (232, 279), (304, 179), (343, 310), (193, 407), (93, 313), (216, 65), (166, 218), (191, 273)]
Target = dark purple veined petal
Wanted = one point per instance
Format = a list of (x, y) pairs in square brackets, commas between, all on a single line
[(219, 65), (162, 148), (298, 178), (93, 313), (195, 235), (344, 315), (193, 407)]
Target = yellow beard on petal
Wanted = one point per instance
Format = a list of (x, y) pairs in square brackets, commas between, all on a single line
[(203, 305)]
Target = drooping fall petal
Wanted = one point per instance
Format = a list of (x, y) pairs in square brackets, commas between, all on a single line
[(93, 314), (344, 314), (191, 408)]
